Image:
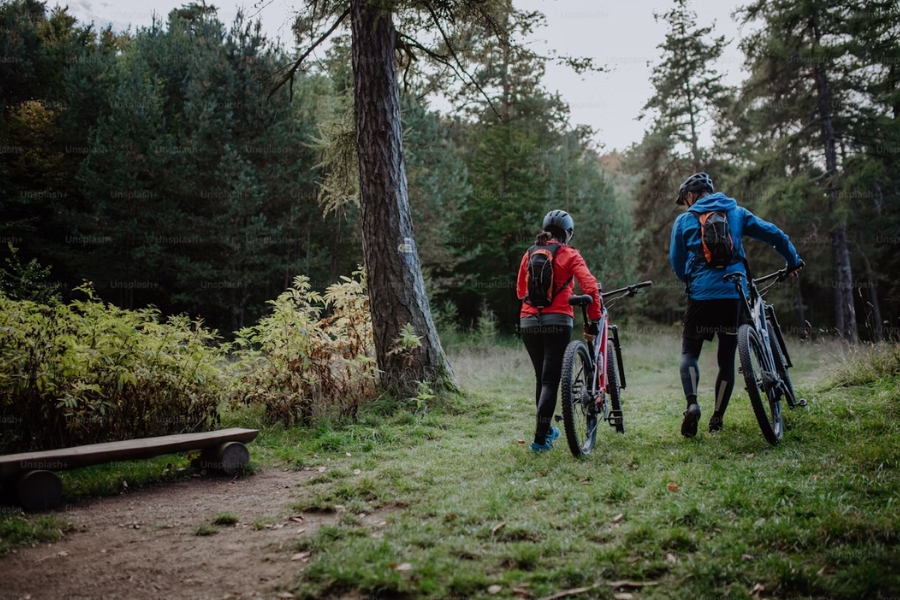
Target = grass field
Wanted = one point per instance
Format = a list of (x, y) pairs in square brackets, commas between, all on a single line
[(472, 513)]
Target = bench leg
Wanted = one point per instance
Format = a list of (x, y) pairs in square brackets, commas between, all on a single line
[(229, 457), (39, 491)]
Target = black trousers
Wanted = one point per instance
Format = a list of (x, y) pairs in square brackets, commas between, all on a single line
[(546, 346), (704, 319)]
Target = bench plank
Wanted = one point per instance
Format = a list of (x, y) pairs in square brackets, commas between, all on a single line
[(13, 465)]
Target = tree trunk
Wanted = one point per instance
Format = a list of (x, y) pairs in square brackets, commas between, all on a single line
[(872, 286), (695, 142), (396, 287), (842, 273)]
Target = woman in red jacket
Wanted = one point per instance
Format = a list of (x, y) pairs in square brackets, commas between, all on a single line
[(546, 331)]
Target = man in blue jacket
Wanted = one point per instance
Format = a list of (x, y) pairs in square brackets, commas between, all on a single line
[(713, 306)]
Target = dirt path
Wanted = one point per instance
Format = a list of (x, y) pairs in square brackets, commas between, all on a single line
[(144, 544)]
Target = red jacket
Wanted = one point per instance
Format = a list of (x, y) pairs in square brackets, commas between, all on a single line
[(568, 262)]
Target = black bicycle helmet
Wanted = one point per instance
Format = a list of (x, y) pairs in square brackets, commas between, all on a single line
[(698, 182), (559, 223)]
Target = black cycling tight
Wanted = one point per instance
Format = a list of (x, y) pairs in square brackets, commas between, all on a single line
[(690, 371), (546, 346)]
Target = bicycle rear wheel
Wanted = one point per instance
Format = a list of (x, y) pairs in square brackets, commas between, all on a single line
[(578, 407), (766, 405), (781, 368)]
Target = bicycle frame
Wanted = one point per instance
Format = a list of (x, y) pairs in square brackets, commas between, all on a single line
[(599, 346), (757, 311), (598, 353)]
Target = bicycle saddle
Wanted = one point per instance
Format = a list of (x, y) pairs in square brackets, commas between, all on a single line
[(582, 300)]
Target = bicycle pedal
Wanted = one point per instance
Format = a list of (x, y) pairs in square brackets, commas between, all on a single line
[(614, 418)]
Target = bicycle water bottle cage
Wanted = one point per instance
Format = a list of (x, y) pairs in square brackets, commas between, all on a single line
[(582, 300)]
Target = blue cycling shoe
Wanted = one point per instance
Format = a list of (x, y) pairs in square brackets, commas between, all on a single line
[(553, 434), (548, 442), (545, 447)]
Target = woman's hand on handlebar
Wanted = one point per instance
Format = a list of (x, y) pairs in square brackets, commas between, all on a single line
[(591, 330)]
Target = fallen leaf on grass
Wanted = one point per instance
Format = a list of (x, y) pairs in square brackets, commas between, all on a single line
[(401, 567), (494, 589), (618, 518), (297, 518), (521, 592), (349, 455), (623, 596), (750, 455), (285, 595), (671, 558), (302, 556), (356, 471), (634, 559), (821, 571), (757, 590), (672, 486), (521, 441), (746, 557), (815, 477), (301, 530), (498, 527)]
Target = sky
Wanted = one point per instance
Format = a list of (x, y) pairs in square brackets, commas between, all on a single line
[(622, 35)]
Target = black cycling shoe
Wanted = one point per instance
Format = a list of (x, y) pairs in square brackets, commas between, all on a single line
[(715, 423), (689, 424)]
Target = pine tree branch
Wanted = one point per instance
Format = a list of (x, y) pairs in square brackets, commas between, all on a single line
[(289, 76), (446, 38)]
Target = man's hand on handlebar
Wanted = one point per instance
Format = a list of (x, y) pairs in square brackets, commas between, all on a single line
[(795, 272), (591, 330)]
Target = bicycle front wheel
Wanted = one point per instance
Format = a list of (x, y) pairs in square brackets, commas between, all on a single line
[(578, 407), (765, 403)]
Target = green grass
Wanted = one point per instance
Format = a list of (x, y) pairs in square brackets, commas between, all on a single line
[(18, 529), (468, 507), (812, 517), (225, 518), (204, 529)]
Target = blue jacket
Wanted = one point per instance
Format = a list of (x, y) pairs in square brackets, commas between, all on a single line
[(686, 250)]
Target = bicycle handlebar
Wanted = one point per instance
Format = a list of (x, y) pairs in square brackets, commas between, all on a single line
[(780, 274), (630, 290)]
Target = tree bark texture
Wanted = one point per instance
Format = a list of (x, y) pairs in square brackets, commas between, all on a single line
[(396, 287)]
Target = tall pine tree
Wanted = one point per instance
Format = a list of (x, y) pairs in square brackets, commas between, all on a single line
[(688, 96), (798, 104)]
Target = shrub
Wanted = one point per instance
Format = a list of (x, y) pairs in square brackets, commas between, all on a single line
[(88, 372), (302, 366)]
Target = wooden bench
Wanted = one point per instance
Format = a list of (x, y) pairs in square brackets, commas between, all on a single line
[(28, 479)]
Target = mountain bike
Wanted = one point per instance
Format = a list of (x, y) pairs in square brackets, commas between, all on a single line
[(764, 356), (592, 379)]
